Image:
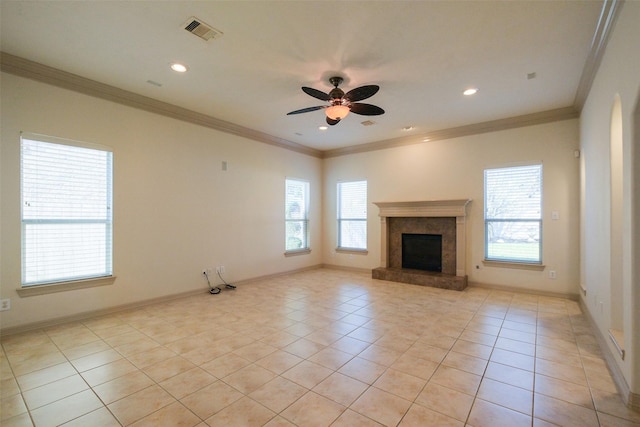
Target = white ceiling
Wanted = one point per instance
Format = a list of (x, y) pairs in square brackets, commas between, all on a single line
[(423, 54)]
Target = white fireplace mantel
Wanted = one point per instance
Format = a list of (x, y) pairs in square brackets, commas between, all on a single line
[(428, 208), (434, 208)]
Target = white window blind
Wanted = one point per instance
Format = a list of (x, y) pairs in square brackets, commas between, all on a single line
[(352, 215), (296, 215), (513, 214), (66, 196)]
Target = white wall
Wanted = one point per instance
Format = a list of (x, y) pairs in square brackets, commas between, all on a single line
[(618, 75), (453, 169), (175, 210)]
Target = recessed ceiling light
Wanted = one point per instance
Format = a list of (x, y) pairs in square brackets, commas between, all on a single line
[(426, 139), (408, 128), (470, 91), (179, 68), (323, 127)]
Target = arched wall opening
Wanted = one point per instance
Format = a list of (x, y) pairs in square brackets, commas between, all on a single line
[(617, 220)]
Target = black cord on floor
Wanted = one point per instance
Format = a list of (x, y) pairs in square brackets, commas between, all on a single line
[(227, 285), (212, 290)]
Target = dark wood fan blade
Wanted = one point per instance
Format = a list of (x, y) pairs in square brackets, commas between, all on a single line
[(316, 93), (362, 92), (332, 122), (366, 109), (306, 110)]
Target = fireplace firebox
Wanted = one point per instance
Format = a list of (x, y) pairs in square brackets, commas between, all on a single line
[(422, 251)]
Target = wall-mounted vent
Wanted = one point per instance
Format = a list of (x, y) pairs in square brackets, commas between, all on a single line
[(202, 30)]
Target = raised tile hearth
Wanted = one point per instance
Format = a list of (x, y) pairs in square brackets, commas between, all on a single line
[(442, 217)]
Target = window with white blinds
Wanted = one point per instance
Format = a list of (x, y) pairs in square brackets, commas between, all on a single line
[(352, 215), (296, 215), (513, 214), (66, 197)]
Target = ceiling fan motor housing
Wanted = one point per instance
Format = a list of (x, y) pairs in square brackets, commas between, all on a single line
[(336, 94)]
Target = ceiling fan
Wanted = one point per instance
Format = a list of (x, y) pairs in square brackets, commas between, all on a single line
[(340, 103)]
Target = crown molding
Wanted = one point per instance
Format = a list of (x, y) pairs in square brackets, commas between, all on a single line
[(608, 15), (548, 116), (25, 68), (29, 69)]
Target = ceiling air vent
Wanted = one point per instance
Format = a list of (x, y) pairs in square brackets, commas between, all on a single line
[(200, 29)]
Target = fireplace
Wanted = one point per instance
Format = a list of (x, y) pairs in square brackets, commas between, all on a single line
[(421, 221), (422, 251)]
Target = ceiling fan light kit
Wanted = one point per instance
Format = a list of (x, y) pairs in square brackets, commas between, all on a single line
[(341, 104), (337, 112)]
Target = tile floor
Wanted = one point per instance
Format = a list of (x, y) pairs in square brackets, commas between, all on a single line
[(319, 348)]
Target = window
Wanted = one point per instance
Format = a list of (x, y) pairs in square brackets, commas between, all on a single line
[(352, 215), (296, 215), (66, 193), (513, 214)]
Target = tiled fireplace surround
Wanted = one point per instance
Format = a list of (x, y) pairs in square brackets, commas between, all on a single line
[(445, 217)]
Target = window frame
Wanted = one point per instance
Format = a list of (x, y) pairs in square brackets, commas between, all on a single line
[(349, 249), (306, 244), (514, 261), (58, 283)]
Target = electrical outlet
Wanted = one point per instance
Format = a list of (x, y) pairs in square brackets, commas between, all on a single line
[(222, 269), (5, 304)]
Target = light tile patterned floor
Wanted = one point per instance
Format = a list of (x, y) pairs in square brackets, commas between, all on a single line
[(319, 348)]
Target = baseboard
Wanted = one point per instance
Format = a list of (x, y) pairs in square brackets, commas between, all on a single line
[(634, 401), (346, 268), (630, 399), (573, 297), (132, 306), (95, 313), (274, 275)]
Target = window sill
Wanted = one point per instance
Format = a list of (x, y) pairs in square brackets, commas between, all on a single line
[(30, 291), (352, 251), (517, 265), (297, 252)]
